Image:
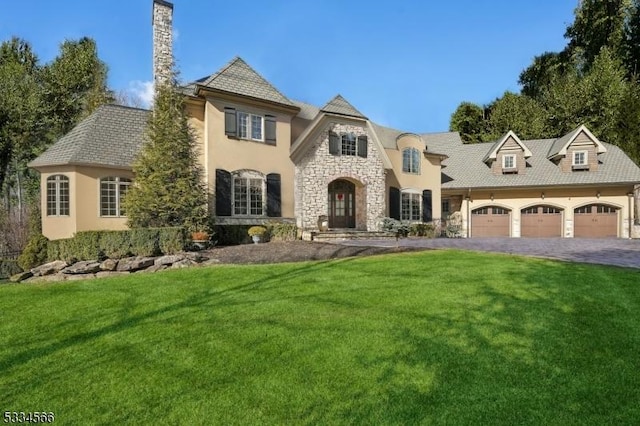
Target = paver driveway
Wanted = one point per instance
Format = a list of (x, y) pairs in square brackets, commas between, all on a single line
[(619, 252)]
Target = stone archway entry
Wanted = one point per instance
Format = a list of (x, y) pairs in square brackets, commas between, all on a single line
[(342, 204)]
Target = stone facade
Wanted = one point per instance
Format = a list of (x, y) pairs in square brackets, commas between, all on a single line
[(318, 168), (162, 41)]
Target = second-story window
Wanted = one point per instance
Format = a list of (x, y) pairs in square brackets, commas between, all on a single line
[(411, 161), (250, 126)]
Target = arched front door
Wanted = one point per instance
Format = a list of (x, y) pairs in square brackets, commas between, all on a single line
[(342, 204)]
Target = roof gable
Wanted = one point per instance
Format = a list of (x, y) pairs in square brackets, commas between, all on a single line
[(339, 105), (559, 147), (510, 136), (239, 78)]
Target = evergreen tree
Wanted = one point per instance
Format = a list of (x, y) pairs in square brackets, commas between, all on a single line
[(468, 119), (168, 188)]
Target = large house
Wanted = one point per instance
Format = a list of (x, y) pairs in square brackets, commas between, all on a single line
[(268, 157)]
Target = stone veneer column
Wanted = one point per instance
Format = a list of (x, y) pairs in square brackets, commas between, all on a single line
[(162, 41)]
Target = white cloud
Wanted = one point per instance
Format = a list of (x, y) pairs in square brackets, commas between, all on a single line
[(142, 90)]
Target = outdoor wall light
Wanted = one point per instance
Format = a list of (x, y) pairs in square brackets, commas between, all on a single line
[(598, 194), (542, 195), (492, 196)]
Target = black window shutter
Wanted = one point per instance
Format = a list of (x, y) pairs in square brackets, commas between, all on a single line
[(230, 122), (362, 146), (427, 206), (334, 143), (270, 129), (394, 203), (223, 193), (274, 195)]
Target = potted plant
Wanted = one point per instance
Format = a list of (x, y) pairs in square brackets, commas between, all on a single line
[(257, 233), (200, 239)]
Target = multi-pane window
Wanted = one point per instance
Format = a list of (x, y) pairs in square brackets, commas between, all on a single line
[(446, 207), (605, 209), (509, 161), (411, 161), (112, 193), (248, 195), (410, 206), (250, 126), (349, 144), (57, 195), (550, 210), (580, 158)]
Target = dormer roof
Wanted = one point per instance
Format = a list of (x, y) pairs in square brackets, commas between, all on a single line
[(492, 155), (559, 147), (339, 105)]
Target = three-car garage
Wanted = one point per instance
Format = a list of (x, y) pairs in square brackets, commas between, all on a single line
[(546, 221)]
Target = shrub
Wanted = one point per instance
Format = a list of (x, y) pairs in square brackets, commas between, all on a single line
[(9, 267), (116, 244), (145, 241), (401, 229), (422, 230), (258, 231), (282, 231), (228, 235), (35, 253), (172, 240)]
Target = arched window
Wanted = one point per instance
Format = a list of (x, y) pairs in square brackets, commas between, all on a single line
[(57, 195), (112, 192), (411, 161), (248, 193)]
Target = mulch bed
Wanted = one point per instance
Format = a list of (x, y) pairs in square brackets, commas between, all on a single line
[(294, 251)]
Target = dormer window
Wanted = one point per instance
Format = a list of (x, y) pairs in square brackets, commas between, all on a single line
[(509, 164), (580, 160)]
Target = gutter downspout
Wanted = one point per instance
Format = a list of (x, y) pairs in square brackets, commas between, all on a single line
[(630, 198), (468, 198)]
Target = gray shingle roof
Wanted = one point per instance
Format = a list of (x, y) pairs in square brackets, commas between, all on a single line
[(239, 78), (111, 136), (464, 167), (340, 105), (307, 111)]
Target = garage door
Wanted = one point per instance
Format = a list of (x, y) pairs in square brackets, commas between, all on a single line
[(490, 222), (595, 221), (541, 222)]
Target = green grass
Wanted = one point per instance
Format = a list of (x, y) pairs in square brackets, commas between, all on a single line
[(440, 337)]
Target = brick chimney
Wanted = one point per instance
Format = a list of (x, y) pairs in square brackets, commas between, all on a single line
[(162, 42)]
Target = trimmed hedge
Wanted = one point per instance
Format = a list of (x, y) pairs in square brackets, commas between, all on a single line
[(282, 231), (35, 253), (90, 245), (231, 235)]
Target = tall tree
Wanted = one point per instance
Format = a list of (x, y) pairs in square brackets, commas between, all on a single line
[(597, 24), (169, 188), (74, 85), (520, 113), (632, 40), (541, 72), (469, 120)]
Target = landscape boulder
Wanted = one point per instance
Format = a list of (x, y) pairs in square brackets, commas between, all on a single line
[(84, 267), (104, 274), (109, 265), (20, 277), (49, 268), (132, 264), (168, 259)]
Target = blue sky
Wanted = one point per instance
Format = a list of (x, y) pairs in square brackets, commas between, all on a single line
[(405, 64)]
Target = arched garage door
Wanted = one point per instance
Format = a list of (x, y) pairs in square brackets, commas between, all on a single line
[(595, 221), (490, 222), (541, 222)]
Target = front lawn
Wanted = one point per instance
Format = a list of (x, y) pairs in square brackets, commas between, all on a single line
[(433, 337)]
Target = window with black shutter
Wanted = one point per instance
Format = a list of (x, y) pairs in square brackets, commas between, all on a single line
[(230, 122), (394, 203), (270, 129), (334, 143), (274, 195), (427, 206), (362, 146), (223, 193)]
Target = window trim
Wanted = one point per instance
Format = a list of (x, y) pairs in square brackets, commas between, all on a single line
[(57, 181), (413, 157), (119, 183), (418, 198), (585, 161), (240, 116), (504, 161), (248, 175)]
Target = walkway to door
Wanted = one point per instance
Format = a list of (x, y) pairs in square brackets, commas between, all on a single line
[(607, 251)]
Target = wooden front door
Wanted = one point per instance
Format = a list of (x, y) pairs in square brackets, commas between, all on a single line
[(342, 204)]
